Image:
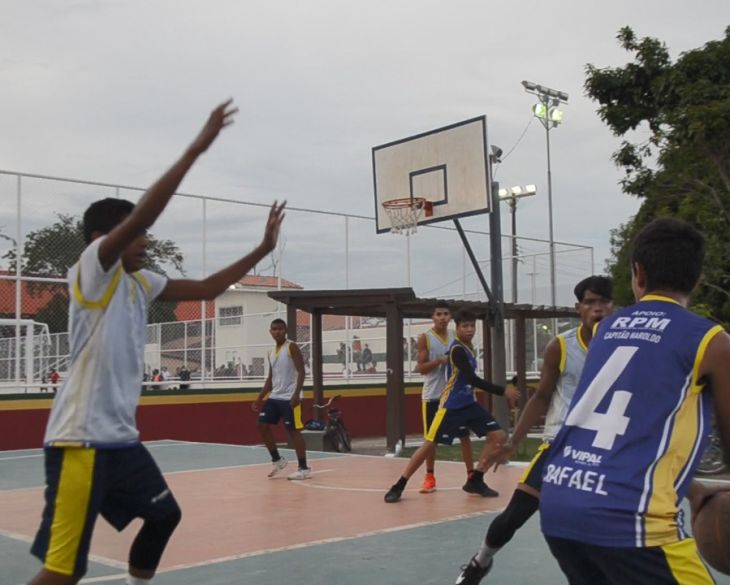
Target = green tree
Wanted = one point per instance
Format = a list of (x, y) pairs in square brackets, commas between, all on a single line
[(680, 164), (50, 251)]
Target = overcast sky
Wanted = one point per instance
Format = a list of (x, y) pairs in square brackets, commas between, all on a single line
[(113, 90)]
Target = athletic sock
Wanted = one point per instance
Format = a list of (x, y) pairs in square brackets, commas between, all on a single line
[(485, 553), (401, 483), (302, 462), (137, 581), (429, 471), (476, 475), (274, 455)]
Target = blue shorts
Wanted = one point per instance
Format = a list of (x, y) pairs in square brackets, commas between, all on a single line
[(428, 411), (449, 424), (81, 483), (589, 564), (275, 410)]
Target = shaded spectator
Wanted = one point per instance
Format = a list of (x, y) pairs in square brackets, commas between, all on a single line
[(367, 358), (184, 376)]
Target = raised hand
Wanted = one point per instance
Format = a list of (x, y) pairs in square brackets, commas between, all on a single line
[(273, 225), (219, 118)]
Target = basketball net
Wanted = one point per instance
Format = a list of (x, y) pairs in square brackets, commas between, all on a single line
[(404, 214)]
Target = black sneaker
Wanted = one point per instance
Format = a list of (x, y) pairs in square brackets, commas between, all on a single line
[(472, 573), (393, 495), (477, 486)]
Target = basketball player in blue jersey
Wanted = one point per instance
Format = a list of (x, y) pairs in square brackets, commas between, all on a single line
[(637, 427), (562, 365), (284, 383), (433, 349), (459, 411), (94, 461)]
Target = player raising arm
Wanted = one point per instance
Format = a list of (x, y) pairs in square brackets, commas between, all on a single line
[(95, 463)]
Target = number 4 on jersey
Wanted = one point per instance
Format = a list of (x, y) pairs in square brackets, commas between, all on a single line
[(608, 425)]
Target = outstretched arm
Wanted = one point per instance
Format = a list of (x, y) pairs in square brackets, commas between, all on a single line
[(154, 201), (215, 284), (461, 361), (715, 371), (538, 405)]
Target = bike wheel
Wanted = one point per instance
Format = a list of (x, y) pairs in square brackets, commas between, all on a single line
[(344, 438), (712, 461), (333, 438)]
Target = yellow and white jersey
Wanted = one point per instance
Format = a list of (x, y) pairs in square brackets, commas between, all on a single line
[(283, 372), (572, 359), (97, 401), (434, 381)]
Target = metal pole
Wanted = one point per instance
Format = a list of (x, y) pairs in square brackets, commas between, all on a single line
[(513, 210), (203, 304), (18, 282), (546, 103), (499, 374)]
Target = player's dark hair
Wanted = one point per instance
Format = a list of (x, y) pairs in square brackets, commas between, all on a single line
[(104, 215), (671, 251), (278, 322), (600, 285), (463, 315), (440, 305)]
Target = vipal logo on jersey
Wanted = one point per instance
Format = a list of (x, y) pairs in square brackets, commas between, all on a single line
[(582, 457)]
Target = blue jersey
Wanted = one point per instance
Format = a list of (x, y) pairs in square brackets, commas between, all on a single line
[(635, 430), (458, 393)]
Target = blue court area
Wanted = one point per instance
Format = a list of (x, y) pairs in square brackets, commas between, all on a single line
[(240, 527)]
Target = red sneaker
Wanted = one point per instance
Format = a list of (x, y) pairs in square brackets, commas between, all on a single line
[(429, 484)]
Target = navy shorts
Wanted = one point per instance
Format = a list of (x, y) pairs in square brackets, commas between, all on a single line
[(669, 564), (81, 483), (428, 410), (448, 424), (275, 410)]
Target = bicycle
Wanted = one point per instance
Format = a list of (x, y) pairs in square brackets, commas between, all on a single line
[(713, 460), (335, 432)]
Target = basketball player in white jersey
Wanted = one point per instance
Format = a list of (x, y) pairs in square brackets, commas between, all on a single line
[(563, 362), (284, 383), (95, 463), (433, 350)]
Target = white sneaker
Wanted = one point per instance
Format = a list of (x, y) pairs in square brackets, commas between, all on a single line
[(301, 474), (277, 466)]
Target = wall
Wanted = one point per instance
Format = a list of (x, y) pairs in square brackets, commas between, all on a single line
[(220, 416)]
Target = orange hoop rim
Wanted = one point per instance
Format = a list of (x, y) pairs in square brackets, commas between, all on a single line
[(404, 202)]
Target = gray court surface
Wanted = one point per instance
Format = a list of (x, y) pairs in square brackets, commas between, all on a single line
[(429, 554)]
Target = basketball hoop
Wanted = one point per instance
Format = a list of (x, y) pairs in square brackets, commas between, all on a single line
[(405, 213)]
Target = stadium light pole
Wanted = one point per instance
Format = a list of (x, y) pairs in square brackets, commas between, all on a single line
[(511, 196), (546, 110)]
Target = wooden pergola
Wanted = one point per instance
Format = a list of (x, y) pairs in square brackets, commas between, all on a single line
[(395, 305)]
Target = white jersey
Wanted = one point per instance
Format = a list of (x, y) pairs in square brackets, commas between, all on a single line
[(572, 358), (97, 402), (434, 381), (283, 372)]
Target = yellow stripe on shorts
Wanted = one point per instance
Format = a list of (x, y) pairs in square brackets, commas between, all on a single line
[(424, 413), (297, 413), (70, 509), (533, 461), (685, 563), (435, 424)]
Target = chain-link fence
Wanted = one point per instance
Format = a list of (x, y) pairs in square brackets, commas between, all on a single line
[(226, 340)]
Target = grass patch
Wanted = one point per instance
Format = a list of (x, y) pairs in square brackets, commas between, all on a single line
[(525, 452)]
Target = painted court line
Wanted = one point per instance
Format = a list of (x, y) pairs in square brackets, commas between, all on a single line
[(257, 553), (96, 558)]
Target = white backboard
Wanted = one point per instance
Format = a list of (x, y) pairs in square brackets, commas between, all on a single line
[(448, 166)]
